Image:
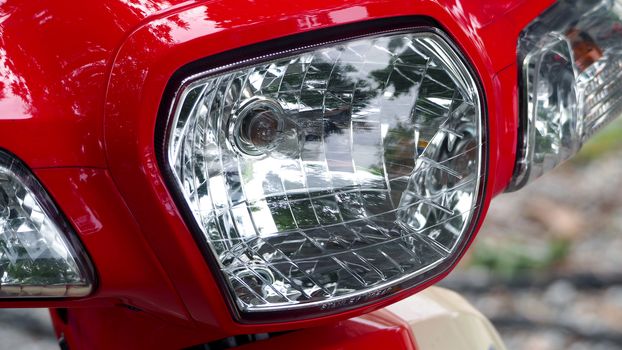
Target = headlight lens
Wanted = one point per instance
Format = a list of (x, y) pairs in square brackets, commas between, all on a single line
[(334, 175), (39, 256), (571, 64)]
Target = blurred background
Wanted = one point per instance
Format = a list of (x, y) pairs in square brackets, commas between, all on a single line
[(546, 268)]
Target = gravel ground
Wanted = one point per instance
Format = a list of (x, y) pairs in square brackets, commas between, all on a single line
[(26, 329), (546, 266)]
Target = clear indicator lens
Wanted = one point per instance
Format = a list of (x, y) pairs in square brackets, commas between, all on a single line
[(571, 62), (36, 258), (322, 179)]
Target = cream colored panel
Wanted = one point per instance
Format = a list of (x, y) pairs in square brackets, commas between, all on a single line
[(443, 320)]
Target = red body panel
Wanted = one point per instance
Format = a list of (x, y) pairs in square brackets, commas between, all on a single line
[(80, 88), (377, 330), (54, 62)]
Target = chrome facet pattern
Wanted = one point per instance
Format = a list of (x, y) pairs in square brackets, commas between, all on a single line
[(332, 173), (36, 259), (571, 61)]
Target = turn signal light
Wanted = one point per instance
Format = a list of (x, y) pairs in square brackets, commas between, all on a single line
[(571, 73), (39, 254)]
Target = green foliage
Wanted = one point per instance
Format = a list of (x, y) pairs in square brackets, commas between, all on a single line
[(607, 140), (509, 259)]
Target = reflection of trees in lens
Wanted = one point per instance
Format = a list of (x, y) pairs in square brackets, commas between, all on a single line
[(399, 150), (365, 125), (333, 91)]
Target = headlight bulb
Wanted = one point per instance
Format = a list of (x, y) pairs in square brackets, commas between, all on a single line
[(260, 127)]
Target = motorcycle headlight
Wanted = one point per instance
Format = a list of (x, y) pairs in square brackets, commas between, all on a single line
[(571, 71), (331, 176)]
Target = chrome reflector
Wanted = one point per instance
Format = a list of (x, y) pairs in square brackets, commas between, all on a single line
[(333, 176)]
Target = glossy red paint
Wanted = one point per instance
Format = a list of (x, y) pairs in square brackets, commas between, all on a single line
[(79, 95), (54, 63), (377, 330)]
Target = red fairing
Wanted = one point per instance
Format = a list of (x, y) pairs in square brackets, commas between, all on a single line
[(80, 89), (100, 328), (54, 62), (378, 330)]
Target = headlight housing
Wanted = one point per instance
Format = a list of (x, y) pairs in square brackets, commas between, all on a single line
[(570, 62), (331, 176)]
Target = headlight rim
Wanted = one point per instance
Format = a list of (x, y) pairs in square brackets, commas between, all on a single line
[(210, 67)]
